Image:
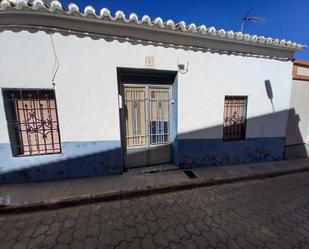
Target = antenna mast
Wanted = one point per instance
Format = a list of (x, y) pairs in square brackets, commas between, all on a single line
[(247, 18)]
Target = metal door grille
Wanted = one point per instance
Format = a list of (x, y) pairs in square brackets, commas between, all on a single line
[(159, 116), (34, 122), (147, 116), (235, 109), (135, 117)]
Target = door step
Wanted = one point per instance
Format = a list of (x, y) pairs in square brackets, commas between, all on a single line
[(151, 169)]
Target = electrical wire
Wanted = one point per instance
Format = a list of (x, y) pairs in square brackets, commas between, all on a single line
[(56, 62)]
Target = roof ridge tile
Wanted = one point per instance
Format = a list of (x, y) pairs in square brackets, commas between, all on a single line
[(56, 7)]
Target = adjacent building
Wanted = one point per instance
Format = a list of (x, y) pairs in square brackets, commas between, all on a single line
[(298, 124), (88, 93)]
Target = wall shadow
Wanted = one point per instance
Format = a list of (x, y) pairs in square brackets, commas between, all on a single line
[(206, 147), (296, 147), (193, 150), (190, 149), (65, 167)]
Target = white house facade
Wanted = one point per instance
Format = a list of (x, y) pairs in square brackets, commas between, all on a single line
[(86, 94)]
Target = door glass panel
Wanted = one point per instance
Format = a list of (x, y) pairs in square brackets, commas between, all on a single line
[(159, 115), (135, 117)]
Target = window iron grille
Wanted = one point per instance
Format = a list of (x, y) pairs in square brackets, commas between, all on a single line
[(235, 110), (33, 122)]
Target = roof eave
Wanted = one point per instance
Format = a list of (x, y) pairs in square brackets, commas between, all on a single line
[(56, 11)]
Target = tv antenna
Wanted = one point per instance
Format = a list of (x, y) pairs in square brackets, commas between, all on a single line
[(247, 18)]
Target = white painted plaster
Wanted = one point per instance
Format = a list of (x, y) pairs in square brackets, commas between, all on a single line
[(87, 94)]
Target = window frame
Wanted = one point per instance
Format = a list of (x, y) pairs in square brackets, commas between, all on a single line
[(10, 113), (244, 131)]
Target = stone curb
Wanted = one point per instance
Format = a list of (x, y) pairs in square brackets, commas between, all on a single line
[(140, 192)]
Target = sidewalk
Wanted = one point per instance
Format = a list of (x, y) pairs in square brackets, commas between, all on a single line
[(50, 195)]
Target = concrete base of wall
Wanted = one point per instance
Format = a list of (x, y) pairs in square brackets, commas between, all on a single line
[(210, 152)]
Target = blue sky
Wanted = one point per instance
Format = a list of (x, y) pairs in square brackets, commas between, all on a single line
[(287, 19)]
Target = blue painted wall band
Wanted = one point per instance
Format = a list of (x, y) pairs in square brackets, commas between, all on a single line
[(211, 152), (78, 159), (87, 159)]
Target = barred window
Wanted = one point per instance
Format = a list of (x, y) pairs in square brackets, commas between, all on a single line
[(235, 111), (32, 122)]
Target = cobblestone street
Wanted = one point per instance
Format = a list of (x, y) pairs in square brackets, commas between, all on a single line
[(271, 213)]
